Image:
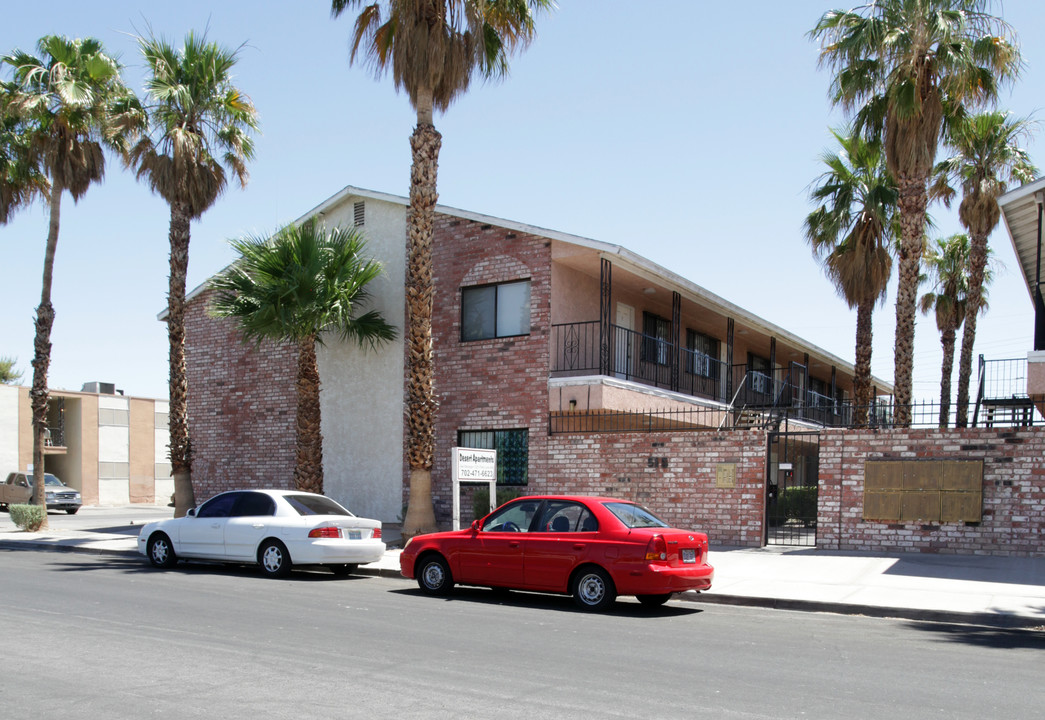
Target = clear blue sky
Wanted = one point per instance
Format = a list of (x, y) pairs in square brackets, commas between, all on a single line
[(686, 131)]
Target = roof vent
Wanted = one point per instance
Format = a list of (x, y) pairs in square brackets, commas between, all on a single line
[(358, 214)]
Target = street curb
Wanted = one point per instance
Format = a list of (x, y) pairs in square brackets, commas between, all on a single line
[(990, 620)]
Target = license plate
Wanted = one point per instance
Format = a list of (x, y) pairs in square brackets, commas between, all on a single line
[(689, 555), (355, 534)]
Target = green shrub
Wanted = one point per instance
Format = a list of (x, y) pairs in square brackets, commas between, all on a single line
[(799, 503), (28, 517), (481, 499)]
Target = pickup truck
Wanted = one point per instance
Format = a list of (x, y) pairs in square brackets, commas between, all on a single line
[(18, 490)]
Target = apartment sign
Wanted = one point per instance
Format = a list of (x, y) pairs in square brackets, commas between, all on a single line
[(474, 465)]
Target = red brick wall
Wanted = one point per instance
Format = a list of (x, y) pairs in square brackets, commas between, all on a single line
[(242, 407), (1013, 491), (487, 384), (674, 475)]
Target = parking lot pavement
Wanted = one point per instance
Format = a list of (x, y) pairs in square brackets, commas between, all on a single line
[(995, 591)]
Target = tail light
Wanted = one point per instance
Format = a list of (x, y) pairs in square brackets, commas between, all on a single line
[(657, 549), (325, 532), (377, 534)]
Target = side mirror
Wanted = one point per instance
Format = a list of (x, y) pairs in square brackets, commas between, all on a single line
[(477, 525), (191, 512)]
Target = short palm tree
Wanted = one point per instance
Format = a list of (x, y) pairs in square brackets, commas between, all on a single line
[(850, 233), (200, 129), (434, 48), (947, 265), (295, 287), (901, 66), (71, 103), (986, 157)]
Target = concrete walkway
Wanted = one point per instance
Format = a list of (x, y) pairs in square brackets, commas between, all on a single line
[(993, 591)]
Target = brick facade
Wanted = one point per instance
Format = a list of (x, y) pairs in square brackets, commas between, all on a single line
[(1013, 491), (496, 384), (242, 406)]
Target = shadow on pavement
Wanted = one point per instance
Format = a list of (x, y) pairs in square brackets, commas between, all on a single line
[(624, 607), (989, 637)]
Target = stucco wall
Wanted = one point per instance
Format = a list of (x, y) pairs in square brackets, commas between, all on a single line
[(8, 430)]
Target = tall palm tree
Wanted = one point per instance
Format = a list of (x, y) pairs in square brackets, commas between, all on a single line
[(72, 102), (200, 129), (434, 48), (986, 157), (850, 233), (303, 282), (901, 65), (947, 267)]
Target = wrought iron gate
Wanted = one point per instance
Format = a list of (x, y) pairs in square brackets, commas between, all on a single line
[(791, 488)]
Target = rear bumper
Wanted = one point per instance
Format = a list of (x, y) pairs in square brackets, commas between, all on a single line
[(661, 579), (336, 552)]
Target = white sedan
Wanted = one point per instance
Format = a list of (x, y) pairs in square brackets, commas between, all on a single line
[(276, 529)]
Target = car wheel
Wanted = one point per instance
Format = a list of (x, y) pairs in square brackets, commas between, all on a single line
[(434, 576), (161, 552), (654, 600), (593, 589), (274, 559), (343, 570), (72, 511)]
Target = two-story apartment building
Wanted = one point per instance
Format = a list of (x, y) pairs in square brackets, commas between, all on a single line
[(533, 330)]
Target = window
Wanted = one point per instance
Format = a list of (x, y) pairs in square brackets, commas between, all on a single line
[(513, 451), (219, 506), (560, 516), (114, 471), (702, 358), (516, 517), (253, 504), (635, 516), (495, 311), (315, 505), (113, 416), (656, 340)]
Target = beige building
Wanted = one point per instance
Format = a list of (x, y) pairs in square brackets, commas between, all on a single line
[(110, 447)]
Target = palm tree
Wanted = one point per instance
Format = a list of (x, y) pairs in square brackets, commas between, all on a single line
[(303, 282), (433, 48), (850, 233), (20, 179), (948, 268), (200, 128), (902, 65), (71, 102), (987, 156), (8, 374)]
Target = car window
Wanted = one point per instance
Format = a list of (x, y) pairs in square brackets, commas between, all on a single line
[(562, 516), (635, 516), (306, 504), (253, 504), (218, 506), (515, 517)]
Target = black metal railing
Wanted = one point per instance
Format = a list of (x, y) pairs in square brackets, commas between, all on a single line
[(1001, 394)]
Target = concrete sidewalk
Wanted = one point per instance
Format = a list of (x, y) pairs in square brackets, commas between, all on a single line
[(993, 591)]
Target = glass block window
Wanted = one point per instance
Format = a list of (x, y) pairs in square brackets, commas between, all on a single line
[(513, 451)]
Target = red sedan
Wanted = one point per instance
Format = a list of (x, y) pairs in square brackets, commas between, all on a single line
[(594, 548)]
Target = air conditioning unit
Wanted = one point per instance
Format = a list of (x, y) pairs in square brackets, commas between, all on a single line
[(102, 388)]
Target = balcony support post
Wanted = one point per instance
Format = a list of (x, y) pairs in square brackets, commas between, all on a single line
[(605, 302)]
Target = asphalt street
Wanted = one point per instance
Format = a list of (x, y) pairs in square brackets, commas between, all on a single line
[(109, 637)]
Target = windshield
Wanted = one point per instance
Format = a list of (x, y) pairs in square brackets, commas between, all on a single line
[(49, 479), (315, 505), (635, 516)]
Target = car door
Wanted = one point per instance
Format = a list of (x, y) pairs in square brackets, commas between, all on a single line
[(494, 555), (248, 524), (203, 535), (562, 539)]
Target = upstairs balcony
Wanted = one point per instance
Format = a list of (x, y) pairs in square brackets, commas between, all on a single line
[(578, 350)]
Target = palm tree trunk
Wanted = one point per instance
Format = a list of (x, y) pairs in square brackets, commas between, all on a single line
[(308, 470), (977, 268), (42, 352), (862, 368), (421, 404), (947, 340), (912, 203), (180, 449)]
